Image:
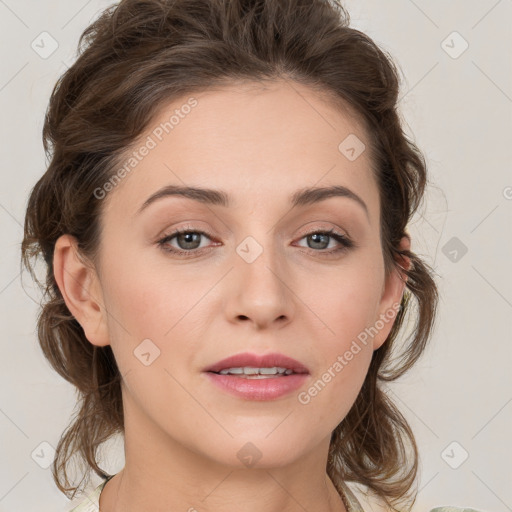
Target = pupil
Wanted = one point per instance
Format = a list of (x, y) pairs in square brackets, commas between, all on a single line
[(316, 236), (188, 239)]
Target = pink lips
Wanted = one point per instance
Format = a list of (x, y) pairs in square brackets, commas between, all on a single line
[(268, 388), (258, 361)]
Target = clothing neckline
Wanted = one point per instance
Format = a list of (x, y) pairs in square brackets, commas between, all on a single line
[(91, 504), (347, 496)]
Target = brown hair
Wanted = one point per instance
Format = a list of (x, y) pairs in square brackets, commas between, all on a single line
[(141, 54)]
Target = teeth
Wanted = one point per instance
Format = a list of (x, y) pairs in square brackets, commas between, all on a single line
[(249, 370), (232, 370)]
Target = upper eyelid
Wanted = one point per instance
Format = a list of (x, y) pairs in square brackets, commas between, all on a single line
[(190, 229), (329, 231)]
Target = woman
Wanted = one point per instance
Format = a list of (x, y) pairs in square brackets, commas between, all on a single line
[(224, 221)]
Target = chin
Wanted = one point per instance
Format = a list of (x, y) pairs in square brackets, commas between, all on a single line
[(259, 452)]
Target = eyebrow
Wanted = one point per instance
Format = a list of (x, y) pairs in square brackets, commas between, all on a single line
[(302, 197)]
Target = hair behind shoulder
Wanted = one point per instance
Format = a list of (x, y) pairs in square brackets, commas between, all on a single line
[(141, 54)]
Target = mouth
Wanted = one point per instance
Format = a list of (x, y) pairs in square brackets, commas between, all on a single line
[(250, 372), (250, 364), (257, 377)]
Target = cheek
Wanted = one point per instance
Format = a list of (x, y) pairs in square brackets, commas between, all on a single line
[(146, 315), (345, 306), (343, 302), (334, 388), (147, 302)]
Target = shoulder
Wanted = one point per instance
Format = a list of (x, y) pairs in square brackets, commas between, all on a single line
[(354, 505), (454, 509), (90, 500)]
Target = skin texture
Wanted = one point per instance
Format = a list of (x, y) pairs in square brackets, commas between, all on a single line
[(182, 435)]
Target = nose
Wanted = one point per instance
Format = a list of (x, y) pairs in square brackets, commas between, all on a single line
[(260, 292)]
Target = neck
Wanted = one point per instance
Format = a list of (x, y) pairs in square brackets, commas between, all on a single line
[(162, 474)]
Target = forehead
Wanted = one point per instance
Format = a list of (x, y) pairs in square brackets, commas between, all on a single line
[(255, 141)]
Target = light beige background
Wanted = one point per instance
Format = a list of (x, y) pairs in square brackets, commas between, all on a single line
[(458, 108)]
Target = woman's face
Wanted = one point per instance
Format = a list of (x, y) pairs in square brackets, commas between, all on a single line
[(251, 277)]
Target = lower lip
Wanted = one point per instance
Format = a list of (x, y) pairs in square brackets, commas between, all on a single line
[(258, 389)]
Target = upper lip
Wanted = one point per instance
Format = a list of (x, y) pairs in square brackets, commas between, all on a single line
[(258, 361)]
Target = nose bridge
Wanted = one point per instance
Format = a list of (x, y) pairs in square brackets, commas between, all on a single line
[(261, 294), (260, 263)]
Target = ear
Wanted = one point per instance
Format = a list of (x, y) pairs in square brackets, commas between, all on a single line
[(81, 290), (392, 293)]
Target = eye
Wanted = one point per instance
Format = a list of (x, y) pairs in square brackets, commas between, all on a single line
[(320, 240), (189, 242)]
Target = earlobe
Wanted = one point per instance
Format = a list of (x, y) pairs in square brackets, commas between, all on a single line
[(392, 296), (81, 290)]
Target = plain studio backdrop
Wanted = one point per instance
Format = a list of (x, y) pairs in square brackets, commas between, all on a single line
[(456, 65)]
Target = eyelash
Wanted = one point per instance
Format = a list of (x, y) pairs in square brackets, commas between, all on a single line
[(346, 243)]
